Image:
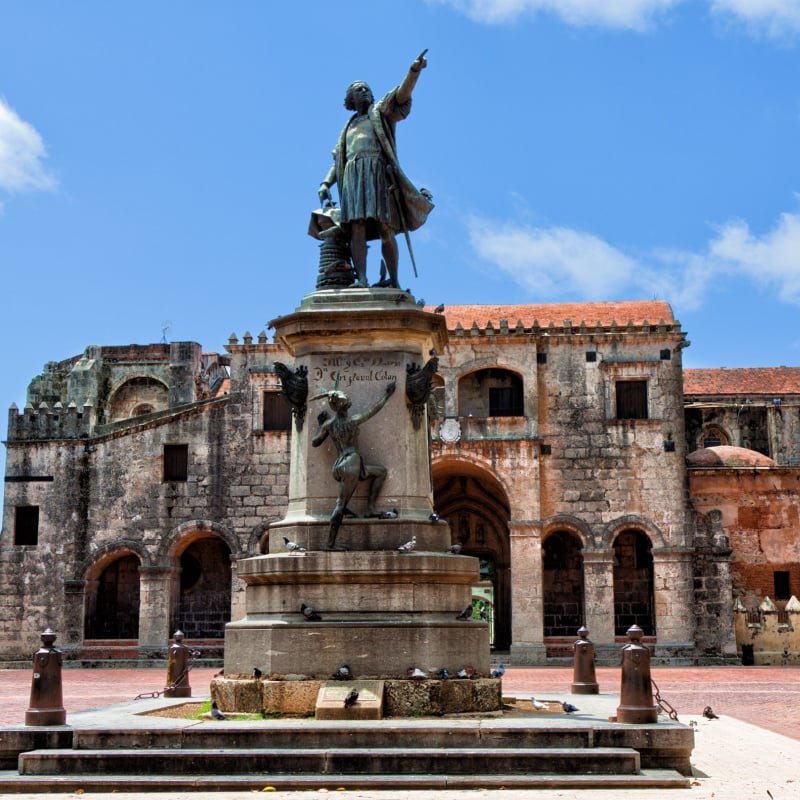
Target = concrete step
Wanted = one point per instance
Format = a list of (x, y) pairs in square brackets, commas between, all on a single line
[(329, 734), (332, 761), (12, 782)]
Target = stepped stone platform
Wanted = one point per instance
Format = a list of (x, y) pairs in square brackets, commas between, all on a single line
[(125, 748)]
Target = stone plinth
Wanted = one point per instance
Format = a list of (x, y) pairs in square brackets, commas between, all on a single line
[(331, 700), (381, 613), (400, 698), (358, 341)]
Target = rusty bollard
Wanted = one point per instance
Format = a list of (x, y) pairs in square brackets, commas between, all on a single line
[(47, 700), (636, 705), (584, 679), (178, 668)]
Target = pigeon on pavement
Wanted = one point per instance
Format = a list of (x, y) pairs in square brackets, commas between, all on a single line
[(409, 546), (215, 712), (343, 673), (569, 708), (498, 671), (708, 713), (293, 547), (537, 705), (416, 673), (309, 613), (351, 698)]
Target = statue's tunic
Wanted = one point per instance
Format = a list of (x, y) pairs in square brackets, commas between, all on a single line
[(367, 171)]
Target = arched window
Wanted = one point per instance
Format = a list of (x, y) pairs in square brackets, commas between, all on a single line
[(491, 393), (633, 583), (562, 579), (112, 610)]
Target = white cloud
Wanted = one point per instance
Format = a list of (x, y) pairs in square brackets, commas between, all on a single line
[(558, 263), (553, 261), (22, 153), (778, 19), (625, 14), (772, 259)]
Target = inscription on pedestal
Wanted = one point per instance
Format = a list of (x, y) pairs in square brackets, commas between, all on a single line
[(353, 369), (332, 696)]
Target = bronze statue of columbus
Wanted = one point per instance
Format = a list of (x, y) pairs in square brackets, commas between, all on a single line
[(376, 198)]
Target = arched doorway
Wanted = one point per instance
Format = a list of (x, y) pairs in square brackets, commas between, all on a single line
[(112, 599), (472, 500), (562, 584), (634, 599), (204, 595)]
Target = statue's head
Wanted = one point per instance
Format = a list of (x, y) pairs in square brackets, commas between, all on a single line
[(357, 92), (338, 401)]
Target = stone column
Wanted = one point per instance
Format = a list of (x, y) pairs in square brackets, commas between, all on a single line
[(674, 589), (598, 586), (238, 596), (527, 601), (155, 584)]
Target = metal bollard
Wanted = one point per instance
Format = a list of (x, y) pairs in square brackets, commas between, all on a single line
[(47, 703), (178, 668), (584, 678), (636, 705)]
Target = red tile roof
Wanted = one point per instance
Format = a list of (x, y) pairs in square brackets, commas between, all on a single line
[(653, 311), (742, 381)]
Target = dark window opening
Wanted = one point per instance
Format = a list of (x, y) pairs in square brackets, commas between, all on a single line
[(712, 441), (591, 355), (631, 399), (666, 355), (505, 401), (277, 412), (176, 462), (26, 525), (783, 586), (541, 358)]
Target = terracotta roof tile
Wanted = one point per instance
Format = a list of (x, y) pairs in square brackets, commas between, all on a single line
[(742, 381), (621, 312)]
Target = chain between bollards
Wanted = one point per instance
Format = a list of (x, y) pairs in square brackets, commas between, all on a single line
[(663, 704)]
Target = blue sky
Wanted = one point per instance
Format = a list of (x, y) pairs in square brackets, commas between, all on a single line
[(159, 160)]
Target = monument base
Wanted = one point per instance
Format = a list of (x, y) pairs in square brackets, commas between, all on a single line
[(401, 698)]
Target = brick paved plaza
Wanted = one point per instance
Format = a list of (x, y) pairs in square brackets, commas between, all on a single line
[(765, 696)]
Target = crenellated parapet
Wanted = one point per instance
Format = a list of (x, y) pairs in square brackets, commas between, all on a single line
[(51, 422)]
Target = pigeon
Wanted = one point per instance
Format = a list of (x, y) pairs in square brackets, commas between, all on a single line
[(293, 547), (351, 698), (421, 302), (388, 514), (708, 713), (257, 673), (400, 298), (343, 673), (433, 517), (454, 549), (537, 705), (409, 546), (466, 613), (443, 674), (220, 673), (415, 673), (215, 712), (439, 309), (498, 671), (569, 708), (484, 614), (309, 613), (465, 672)]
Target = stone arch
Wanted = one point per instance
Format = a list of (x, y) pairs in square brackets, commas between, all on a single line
[(184, 534), (562, 580), (492, 390), (134, 391), (570, 523), (112, 591), (713, 435), (474, 500), (634, 582), (201, 588), (631, 521)]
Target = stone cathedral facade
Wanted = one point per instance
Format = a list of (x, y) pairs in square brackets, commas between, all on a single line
[(598, 481)]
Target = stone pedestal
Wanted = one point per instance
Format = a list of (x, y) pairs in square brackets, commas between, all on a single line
[(380, 611)]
